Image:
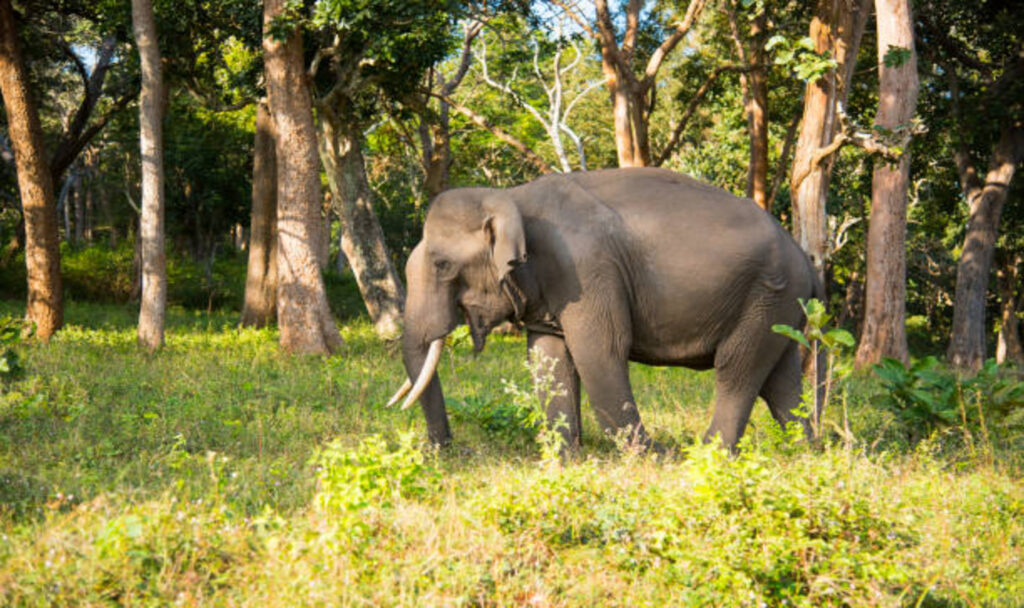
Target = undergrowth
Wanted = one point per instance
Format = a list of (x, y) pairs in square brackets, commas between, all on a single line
[(218, 472)]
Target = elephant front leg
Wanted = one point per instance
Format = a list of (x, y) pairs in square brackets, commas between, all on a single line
[(564, 405), (605, 374)]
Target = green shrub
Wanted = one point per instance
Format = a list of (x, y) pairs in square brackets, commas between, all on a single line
[(371, 475), (927, 396), (12, 333)]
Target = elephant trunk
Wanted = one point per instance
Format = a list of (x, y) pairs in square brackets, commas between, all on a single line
[(420, 364)]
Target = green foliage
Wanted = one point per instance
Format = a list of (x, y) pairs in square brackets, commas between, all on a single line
[(926, 396), (371, 475), (12, 333), (833, 340), (923, 395), (896, 56), (800, 57)]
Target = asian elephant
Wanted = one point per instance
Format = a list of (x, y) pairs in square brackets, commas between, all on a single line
[(606, 267)]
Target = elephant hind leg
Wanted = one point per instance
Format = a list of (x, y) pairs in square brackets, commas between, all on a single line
[(783, 388), (743, 363)]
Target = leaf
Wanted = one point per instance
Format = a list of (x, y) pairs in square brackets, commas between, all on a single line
[(839, 336), (791, 333), (896, 56), (775, 41)]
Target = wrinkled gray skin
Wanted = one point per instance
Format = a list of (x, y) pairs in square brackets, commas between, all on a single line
[(606, 267)]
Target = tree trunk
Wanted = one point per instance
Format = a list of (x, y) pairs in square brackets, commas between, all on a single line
[(45, 305), (884, 333), (837, 30), (362, 237), (260, 306), (437, 151), (967, 344), (754, 86), (153, 306), (757, 120), (1008, 346), (620, 109), (303, 313)]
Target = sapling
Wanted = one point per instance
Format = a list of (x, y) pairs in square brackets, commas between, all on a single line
[(814, 337)]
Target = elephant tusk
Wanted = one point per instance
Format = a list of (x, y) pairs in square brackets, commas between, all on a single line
[(426, 372), (402, 392)]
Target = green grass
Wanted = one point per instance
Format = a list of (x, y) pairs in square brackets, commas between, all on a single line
[(220, 472)]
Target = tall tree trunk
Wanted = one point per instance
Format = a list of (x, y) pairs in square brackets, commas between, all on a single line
[(967, 344), (260, 306), (303, 313), (754, 86), (362, 237), (42, 253), (757, 120), (620, 111), (437, 150), (837, 28), (884, 333), (1008, 346), (151, 141)]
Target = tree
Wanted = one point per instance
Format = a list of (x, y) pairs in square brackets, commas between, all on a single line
[(303, 313), (376, 48), (259, 308), (884, 333), (754, 85), (835, 31), (42, 256), (434, 127), (633, 96), (979, 70), (1008, 345), (153, 307), (555, 117)]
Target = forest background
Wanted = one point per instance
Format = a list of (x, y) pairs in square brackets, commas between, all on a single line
[(192, 191), (778, 101)]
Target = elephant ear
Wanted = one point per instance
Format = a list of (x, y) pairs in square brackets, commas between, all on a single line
[(504, 227)]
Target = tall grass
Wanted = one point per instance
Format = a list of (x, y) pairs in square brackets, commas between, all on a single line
[(219, 472)]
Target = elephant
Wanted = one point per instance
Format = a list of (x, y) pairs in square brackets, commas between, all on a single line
[(605, 267)]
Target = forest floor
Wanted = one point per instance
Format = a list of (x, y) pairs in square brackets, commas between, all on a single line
[(219, 472)]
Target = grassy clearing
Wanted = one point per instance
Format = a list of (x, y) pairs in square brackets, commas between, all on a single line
[(221, 473)]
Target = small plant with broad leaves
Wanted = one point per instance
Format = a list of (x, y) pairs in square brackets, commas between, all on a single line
[(814, 337), (13, 332), (927, 396)]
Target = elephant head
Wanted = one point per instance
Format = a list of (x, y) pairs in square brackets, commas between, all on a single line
[(472, 239)]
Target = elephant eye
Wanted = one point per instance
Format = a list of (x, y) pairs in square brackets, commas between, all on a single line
[(442, 266)]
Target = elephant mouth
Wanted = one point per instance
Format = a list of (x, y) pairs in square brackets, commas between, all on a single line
[(478, 329)]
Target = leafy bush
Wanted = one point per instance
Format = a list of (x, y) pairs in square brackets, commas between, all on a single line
[(371, 475), (927, 396), (12, 334)]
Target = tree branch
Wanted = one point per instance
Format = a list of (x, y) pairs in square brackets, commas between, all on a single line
[(473, 29), (890, 146), (658, 57), (691, 108), (482, 122), (570, 11)]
